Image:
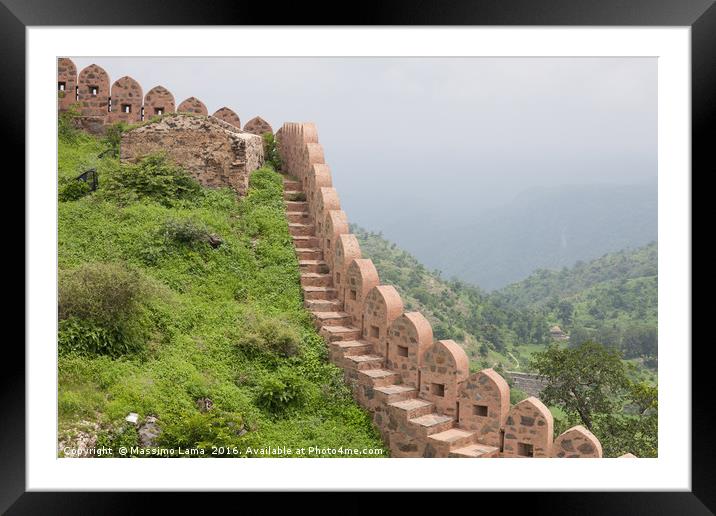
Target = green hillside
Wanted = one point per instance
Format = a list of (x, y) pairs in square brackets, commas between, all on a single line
[(611, 300), (183, 303), (493, 333)]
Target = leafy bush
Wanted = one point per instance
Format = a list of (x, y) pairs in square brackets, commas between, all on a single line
[(85, 337), (154, 178), (72, 189), (270, 335), (202, 430), (114, 438), (101, 309), (185, 231), (282, 392), (66, 130), (113, 137), (271, 154)]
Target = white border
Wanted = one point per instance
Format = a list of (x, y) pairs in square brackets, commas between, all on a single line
[(670, 471)]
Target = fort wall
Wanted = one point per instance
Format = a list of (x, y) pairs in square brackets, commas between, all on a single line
[(422, 397), (100, 103)]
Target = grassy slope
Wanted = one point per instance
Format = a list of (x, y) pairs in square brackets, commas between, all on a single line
[(211, 297)]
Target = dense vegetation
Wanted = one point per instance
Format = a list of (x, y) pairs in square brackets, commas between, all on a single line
[(591, 386), (183, 303), (611, 300)]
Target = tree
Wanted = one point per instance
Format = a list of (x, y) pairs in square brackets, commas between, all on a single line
[(565, 312), (584, 380)]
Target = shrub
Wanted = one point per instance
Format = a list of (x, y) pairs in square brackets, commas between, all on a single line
[(113, 137), (281, 392), (271, 154), (66, 130), (101, 309), (185, 231), (202, 430), (87, 338), (154, 178), (70, 189), (271, 336)]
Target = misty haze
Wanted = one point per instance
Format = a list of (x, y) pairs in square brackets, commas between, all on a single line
[(484, 168)]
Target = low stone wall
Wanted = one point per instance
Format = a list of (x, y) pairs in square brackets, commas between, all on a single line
[(214, 152), (532, 384)]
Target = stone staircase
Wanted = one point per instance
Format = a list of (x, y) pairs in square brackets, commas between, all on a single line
[(375, 387)]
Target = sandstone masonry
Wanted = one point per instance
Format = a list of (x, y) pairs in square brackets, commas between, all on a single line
[(100, 105), (421, 395), (214, 152)]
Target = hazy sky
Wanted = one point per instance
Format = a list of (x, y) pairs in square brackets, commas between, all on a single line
[(439, 138)]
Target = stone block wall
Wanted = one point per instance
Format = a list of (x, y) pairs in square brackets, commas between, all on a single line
[(421, 395), (99, 105), (216, 153)]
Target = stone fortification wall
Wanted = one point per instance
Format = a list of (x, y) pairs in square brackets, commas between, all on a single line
[(420, 392)]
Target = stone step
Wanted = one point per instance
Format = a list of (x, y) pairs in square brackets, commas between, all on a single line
[(394, 393), (334, 333), (331, 319), (297, 229), (377, 377), (412, 408), (323, 305), (453, 438), (313, 293), (434, 423), (314, 279), (338, 350), (363, 362), (301, 217), (296, 206), (317, 266), (304, 241), (291, 184), (309, 253), (294, 195), (475, 451)]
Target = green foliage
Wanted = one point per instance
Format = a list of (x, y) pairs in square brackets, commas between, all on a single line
[(113, 137), (101, 309), (269, 335), (88, 338), (271, 154), (153, 178), (66, 130), (71, 189), (584, 379), (517, 395), (202, 431), (591, 385), (124, 435), (185, 231), (208, 303), (282, 392)]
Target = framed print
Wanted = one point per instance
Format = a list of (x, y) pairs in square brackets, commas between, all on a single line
[(451, 232)]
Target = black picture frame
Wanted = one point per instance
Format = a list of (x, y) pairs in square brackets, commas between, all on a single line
[(700, 15)]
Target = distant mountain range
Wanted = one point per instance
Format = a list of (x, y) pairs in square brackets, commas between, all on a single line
[(541, 228)]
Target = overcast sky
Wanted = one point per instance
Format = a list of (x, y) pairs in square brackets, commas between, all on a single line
[(437, 137)]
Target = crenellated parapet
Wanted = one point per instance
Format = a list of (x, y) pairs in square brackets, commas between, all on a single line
[(98, 104), (419, 390)]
